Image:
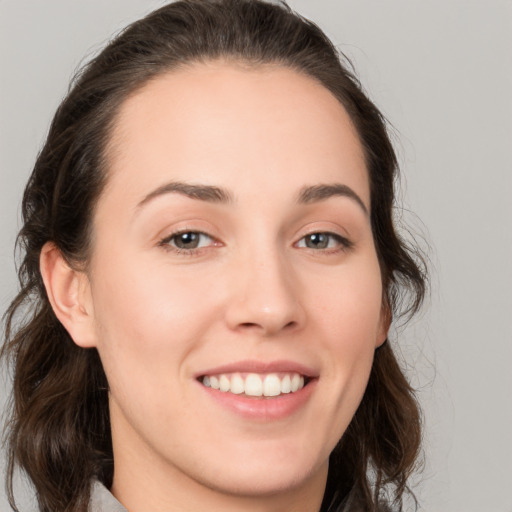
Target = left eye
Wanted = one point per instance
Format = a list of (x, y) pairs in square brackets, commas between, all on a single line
[(322, 241), (188, 240)]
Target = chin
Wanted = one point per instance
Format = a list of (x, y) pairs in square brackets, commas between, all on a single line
[(267, 482), (243, 475)]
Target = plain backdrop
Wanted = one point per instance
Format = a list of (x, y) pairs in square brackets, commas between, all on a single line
[(441, 71)]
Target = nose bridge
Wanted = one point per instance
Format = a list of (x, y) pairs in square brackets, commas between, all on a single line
[(264, 292)]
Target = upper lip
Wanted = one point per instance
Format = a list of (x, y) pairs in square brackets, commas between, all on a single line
[(255, 366)]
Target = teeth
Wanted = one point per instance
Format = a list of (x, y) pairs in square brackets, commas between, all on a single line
[(224, 383), (295, 382), (214, 382), (286, 384), (254, 384), (272, 385), (237, 385)]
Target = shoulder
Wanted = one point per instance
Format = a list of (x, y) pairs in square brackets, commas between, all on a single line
[(102, 500)]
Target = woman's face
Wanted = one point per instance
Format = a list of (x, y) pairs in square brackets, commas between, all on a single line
[(232, 245)]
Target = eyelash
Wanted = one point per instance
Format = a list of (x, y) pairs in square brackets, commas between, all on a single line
[(343, 243), (166, 242)]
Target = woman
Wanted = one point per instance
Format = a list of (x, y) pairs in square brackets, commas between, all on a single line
[(211, 269)]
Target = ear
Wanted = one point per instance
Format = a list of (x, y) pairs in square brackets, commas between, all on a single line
[(384, 323), (69, 293)]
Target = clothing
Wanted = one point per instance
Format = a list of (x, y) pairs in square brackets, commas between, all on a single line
[(102, 500)]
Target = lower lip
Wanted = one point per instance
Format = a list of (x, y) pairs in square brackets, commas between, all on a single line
[(263, 409)]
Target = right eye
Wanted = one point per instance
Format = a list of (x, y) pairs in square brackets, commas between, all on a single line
[(187, 241)]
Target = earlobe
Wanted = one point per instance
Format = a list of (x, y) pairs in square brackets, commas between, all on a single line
[(69, 294), (384, 324)]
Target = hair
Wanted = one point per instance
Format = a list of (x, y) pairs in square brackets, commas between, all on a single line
[(58, 431)]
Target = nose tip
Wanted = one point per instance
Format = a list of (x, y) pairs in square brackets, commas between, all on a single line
[(265, 301), (269, 321)]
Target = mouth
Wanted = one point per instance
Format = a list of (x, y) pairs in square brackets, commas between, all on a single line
[(260, 391), (256, 385)]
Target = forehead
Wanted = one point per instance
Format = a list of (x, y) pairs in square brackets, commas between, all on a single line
[(211, 122)]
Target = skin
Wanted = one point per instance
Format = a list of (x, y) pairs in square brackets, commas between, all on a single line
[(252, 290)]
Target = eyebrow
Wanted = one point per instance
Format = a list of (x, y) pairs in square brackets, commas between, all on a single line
[(207, 193), (322, 192), (213, 194)]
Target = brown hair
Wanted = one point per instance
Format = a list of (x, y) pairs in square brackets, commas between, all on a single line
[(59, 429)]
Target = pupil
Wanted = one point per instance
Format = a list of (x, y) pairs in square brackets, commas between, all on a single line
[(317, 241), (187, 240)]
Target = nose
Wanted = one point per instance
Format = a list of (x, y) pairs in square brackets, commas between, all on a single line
[(265, 296)]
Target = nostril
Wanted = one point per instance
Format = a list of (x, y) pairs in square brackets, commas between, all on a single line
[(267, 315), (250, 325), (265, 326)]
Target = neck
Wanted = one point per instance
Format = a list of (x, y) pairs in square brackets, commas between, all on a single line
[(141, 496)]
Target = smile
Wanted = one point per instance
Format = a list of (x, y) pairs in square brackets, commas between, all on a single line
[(255, 384)]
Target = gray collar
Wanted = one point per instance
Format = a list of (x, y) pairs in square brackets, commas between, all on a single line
[(102, 500)]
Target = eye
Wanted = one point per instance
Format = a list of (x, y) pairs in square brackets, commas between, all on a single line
[(323, 241), (187, 240)]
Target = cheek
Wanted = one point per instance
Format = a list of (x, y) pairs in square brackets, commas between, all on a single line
[(349, 304), (147, 323), (143, 302), (348, 322)]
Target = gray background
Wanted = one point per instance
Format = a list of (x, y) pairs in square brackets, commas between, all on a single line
[(441, 71)]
